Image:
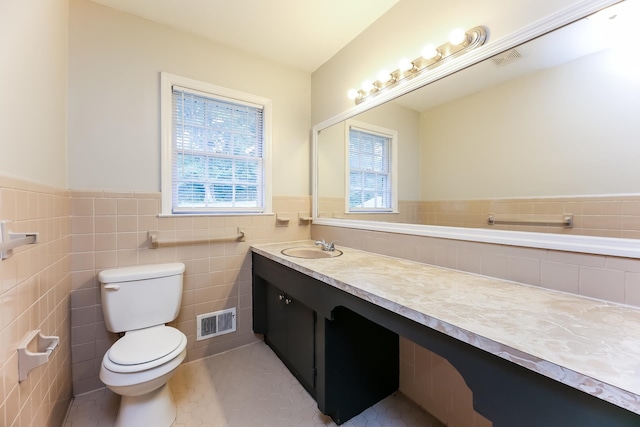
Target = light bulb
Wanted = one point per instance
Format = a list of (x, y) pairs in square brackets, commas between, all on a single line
[(353, 94), (367, 86), (405, 65), (430, 52), (457, 36), (384, 76)]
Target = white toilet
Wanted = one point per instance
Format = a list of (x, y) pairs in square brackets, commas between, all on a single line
[(139, 301)]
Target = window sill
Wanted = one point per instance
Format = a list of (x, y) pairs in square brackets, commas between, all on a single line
[(373, 213), (183, 215)]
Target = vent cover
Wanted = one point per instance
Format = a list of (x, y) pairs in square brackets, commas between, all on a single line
[(211, 325), (507, 57)]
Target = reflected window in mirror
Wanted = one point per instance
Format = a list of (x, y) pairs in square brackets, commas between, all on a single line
[(371, 168)]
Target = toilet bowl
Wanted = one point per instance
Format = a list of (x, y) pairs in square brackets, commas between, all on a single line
[(139, 301), (141, 377)]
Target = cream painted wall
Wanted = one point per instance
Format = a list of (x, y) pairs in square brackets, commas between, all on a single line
[(565, 131), (33, 84), (403, 32), (114, 65)]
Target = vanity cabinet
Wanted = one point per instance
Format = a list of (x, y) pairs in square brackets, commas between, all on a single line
[(290, 333), (325, 337), (356, 347)]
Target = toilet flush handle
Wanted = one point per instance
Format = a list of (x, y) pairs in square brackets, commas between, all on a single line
[(112, 287)]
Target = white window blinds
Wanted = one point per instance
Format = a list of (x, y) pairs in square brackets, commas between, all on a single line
[(369, 171), (217, 153)]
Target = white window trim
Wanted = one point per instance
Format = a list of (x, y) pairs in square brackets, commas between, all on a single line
[(393, 134), (167, 81)]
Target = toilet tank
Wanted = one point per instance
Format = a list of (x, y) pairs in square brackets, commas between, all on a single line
[(141, 296)]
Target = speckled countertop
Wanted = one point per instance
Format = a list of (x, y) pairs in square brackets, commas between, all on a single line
[(588, 344)]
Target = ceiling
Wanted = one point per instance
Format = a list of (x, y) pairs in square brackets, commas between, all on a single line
[(300, 33)]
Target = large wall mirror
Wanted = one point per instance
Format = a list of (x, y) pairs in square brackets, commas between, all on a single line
[(542, 137)]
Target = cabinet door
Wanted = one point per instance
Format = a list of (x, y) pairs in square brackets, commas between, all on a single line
[(276, 335), (290, 333), (301, 342)]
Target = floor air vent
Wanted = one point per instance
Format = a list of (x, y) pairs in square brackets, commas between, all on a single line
[(217, 323), (507, 57)]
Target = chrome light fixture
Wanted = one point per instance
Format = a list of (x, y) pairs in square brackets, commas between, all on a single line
[(460, 42)]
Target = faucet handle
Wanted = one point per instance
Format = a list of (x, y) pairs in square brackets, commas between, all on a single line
[(332, 245)]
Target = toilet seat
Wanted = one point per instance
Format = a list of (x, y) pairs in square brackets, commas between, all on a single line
[(144, 349)]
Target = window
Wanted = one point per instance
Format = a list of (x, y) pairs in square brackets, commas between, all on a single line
[(215, 149), (371, 168)]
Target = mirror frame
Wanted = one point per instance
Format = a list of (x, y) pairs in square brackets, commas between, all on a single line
[(573, 243)]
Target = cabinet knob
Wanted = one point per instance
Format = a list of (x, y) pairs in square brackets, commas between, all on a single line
[(280, 297), (287, 301)]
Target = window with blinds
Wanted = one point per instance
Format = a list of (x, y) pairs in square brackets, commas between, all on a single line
[(370, 173), (217, 153)]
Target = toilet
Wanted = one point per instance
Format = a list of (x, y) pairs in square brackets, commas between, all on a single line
[(139, 301)]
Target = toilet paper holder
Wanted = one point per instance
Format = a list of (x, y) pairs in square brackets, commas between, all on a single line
[(34, 351)]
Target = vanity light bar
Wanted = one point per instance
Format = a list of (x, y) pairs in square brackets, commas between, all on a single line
[(460, 42)]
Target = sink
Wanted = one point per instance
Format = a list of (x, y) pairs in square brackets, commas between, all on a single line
[(310, 252)]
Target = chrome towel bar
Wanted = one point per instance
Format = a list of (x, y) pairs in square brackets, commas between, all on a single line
[(566, 221)]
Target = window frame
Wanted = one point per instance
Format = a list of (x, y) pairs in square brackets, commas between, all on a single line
[(167, 81), (393, 166)]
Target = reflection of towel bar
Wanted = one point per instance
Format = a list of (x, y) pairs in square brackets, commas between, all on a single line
[(155, 242), (566, 222)]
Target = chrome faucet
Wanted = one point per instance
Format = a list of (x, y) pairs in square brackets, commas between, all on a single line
[(326, 246)]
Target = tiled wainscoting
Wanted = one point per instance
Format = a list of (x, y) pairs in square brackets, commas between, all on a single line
[(53, 286), (34, 294), (430, 380), (603, 216), (110, 229)]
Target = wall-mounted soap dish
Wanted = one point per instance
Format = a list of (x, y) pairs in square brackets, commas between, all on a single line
[(282, 221), (304, 218), (34, 351)]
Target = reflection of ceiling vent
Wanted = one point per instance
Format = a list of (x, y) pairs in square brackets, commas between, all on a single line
[(507, 57)]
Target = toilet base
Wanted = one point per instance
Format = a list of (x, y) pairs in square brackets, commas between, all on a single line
[(156, 408)]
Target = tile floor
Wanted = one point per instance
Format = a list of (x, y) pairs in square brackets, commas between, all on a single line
[(246, 387)]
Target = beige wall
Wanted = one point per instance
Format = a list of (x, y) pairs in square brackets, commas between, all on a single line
[(115, 60), (570, 130), (403, 32), (35, 281), (33, 84)]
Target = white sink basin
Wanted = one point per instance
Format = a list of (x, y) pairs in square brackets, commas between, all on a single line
[(310, 252)]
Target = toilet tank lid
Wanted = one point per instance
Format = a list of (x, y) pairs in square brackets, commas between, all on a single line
[(140, 272)]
